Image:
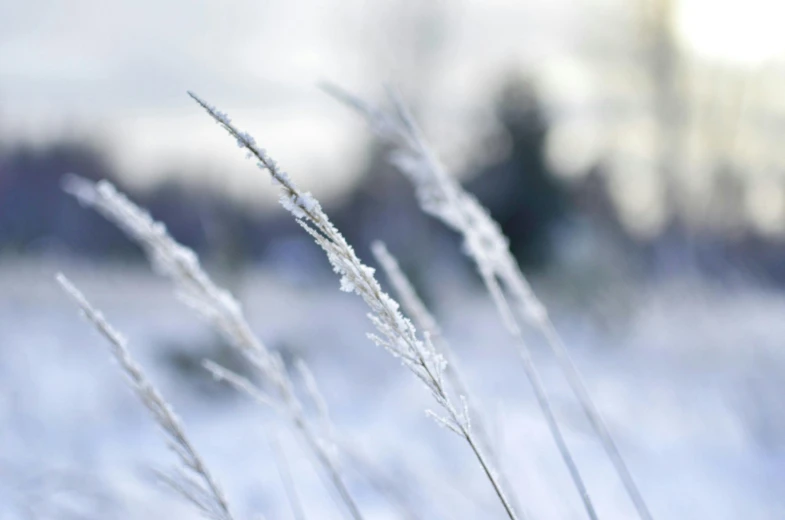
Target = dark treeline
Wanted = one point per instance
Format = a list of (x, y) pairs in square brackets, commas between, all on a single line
[(37, 216), (538, 212)]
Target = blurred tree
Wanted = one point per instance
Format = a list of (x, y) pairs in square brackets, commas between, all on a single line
[(521, 192), (669, 124), (35, 215)]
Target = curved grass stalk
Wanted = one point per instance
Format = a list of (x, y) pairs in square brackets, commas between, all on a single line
[(422, 317), (396, 333), (218, 306), (442, 197), (191, 479)]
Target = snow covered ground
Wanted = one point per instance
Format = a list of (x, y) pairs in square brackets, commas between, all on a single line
[(690, 377)]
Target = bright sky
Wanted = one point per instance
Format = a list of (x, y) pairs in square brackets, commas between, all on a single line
[(747, 32), (118, 71)]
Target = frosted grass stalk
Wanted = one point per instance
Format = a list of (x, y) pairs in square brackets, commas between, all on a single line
[(374, 477), (324, 453), (191, 478), (422, 318), (284, 471), (219, 307), (441, 196), (395, 333)]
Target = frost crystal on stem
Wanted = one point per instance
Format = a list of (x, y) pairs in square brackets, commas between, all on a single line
[(422, 318), (441, 196), (396, 333), (217, 305), (191, 478)]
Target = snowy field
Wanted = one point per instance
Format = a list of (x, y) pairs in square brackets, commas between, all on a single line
[(689, 376)]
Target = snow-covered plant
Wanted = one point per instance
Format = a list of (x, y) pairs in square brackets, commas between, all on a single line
[(195, 288), (191, 477), (395, 332), (441, 196), (414, 306)]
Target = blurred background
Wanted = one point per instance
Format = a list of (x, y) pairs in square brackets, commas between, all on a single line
[(630, 149)]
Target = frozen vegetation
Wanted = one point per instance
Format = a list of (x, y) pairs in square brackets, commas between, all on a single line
[(671, 409), (690, 381)]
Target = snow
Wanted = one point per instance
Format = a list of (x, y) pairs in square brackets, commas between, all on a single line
[(689, 377)]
